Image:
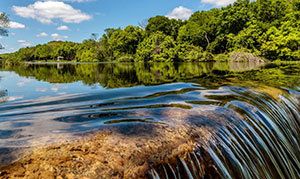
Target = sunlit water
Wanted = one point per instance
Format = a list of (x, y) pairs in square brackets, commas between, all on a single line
[(45, 103)]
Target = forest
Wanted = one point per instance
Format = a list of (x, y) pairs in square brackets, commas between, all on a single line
[(266, 28)]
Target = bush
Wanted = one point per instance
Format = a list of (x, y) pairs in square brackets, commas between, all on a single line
[(221, 57), (157, 47)]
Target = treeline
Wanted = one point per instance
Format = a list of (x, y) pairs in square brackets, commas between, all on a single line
[(267, 28)]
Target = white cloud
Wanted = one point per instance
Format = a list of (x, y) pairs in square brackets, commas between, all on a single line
[(218, 2), (56, 36), (43, 34), (16, 25), (46, 11), (26, 44), (23, 43), (180, 13), (63, 27), (1, 37), (73, 0), (77, 0)]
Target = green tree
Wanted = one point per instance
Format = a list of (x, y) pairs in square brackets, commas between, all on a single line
[(282, 43), (200, 29), (4, 21), (25, 54), (125, 42), (271, 11), (231, 20), (156, 47), (296, 5), (104, 51), (86, 52), (66, 49), (189, 52), (165, 25), (42, 52), (269, 28), (248, 39)]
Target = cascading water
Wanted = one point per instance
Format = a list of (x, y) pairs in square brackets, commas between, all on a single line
[(264, 144)]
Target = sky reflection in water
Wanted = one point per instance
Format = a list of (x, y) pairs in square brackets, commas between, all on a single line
[(45, 103)]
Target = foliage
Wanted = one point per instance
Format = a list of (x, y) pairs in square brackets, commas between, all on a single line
[(156, 47), (221, 58), (267, 28), (200, 30), (165, 25), (4, 21), (124, 42), (247, 38)]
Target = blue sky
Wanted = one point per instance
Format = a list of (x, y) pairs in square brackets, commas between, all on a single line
[(40, 21)]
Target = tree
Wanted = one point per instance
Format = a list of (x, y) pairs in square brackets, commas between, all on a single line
[(4, 21), (86, 52), (125, 42), (296, 5), (156, 47), (269, 28), (66, 49), (200, 29), (25, 54), (188, 52), (282, 43), (165, 25), (231, 20), (271, 11), (248, 39), (42, 52), (104, 51)]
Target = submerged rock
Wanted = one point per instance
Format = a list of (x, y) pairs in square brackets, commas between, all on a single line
[(125, 151)]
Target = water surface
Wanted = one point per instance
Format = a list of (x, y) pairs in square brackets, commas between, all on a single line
[(46, 103)]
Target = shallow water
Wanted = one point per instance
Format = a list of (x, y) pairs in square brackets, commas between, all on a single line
[(46, 103)]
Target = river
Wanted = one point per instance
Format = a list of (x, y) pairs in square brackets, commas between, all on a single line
[(243, 117)]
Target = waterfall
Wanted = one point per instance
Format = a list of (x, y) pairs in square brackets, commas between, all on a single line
[(264, 144)]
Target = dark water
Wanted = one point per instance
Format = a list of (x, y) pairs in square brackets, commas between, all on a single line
[(44, 103)]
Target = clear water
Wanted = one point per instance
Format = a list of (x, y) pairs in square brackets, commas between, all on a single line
[(46, 103)]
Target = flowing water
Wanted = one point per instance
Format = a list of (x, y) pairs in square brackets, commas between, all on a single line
[(253, 115)]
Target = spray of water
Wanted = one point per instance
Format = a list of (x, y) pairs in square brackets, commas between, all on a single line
[(264, 144)]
